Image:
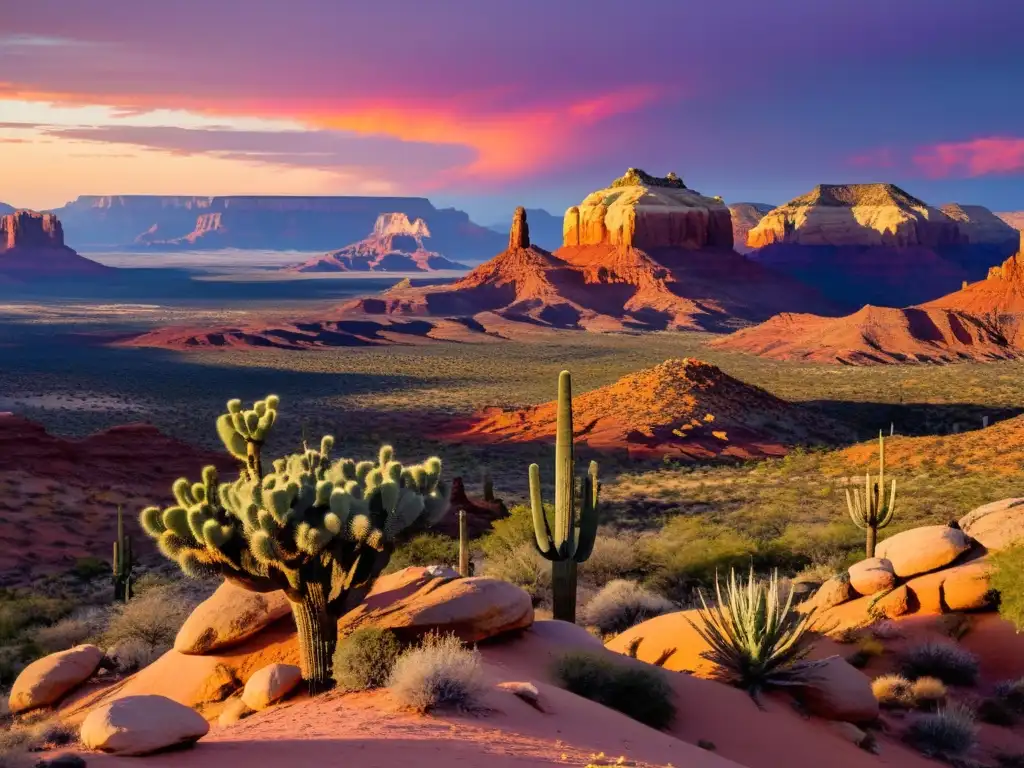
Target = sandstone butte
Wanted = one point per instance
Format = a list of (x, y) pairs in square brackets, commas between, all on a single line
[(876, 244), (683, 408), (32, 247), (980, 322), (396, 244)]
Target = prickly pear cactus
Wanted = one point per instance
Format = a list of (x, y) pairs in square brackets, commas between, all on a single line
[(322, 530)]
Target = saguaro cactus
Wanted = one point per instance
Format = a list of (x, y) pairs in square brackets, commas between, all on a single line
[(573, 538), (321, 531), (122, 563), (465, 567), (872, 512)]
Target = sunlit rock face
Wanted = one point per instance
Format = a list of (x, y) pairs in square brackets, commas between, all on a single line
[(28, 229), (647, 212), (32, 246)]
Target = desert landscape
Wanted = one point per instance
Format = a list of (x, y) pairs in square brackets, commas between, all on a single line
[(302, 465)]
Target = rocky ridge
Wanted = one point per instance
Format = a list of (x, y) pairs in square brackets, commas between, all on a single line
[(396, 244), (745, 216), (682, 408)]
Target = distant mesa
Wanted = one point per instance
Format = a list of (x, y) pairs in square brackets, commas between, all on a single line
[(746, 216), (642, 254), (877, 244), (683, 408), (5, 209), (318, 224), (396, 244), (1014, 218), (32, 247)]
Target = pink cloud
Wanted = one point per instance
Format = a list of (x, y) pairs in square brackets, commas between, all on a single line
[(873, 158), (977, 157)]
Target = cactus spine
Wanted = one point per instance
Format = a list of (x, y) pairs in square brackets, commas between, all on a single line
[(320, 530), (573, 537), (465, 568), (872, 512), (122, 563)]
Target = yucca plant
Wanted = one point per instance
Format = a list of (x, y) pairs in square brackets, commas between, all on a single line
[(757, 640)]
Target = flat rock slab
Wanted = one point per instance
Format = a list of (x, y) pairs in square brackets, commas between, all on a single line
[(140, 725)]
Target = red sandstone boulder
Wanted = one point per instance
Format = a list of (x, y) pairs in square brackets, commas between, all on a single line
[(47, 680), (141, 725), (925, 549)]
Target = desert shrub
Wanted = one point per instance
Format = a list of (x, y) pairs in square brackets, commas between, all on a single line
[(80, 626), (948, 733), (867, 648), (364, 659), (151, 621), (510, 554), (440, 672), (927, 692), (614, 557), (757, 640), (950, 663), (1008, 581), (1006, 704), (89, 568), (21, 610), (892, 691), (425, 549), (622, 604), (640, 693), (22, 738), (133, 654), (1012, 692)]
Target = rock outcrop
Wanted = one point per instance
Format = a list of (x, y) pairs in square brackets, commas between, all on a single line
[(855, 215), (746, 216), (545, 228), (876, 244), (519, 235), (47, 680), (261, 222), (999, 295), (979, 226), (229, 616), (876, 336), (682, 408), (925, 549), (996, 526), (642, 211), (396, 244), (32, 248), (1014, 218)]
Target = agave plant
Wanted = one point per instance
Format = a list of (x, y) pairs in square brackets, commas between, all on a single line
[(757, 640)]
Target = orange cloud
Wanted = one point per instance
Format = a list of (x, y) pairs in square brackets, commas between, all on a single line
[(508, 143), (978, 157)]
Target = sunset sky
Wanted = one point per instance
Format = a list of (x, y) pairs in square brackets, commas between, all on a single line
[(485, 104)]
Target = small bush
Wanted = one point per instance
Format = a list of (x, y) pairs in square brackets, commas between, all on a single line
[(614, 557), (20, 740), (1006, 704), (949, 663), (440, 672), (1012, 692), (1008, 580), (364, 659), (150, 621), (948, 733), (622, 604), (21, 610), (892, 691), (425, 549), (523, 566), (131, 655), (867, 648), (71, 631), (927, 693), (89, 568), (642, 694)]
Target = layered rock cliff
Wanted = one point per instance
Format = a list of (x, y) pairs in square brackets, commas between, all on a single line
[(979, 226), (746, 216), (32, 246), (875, 244), (396, 244), (855, 215), (643, 211), (261, 222)]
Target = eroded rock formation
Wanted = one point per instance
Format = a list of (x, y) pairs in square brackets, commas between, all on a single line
[(519, 235), (32, 246), (396, 244), (746, 216), (979, 226), (642, 211)]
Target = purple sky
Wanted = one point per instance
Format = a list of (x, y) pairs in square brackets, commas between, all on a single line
[(486, 105)]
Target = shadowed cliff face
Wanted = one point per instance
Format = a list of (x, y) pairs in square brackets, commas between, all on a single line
[(26, 229), (276, 223), (875, 244)]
